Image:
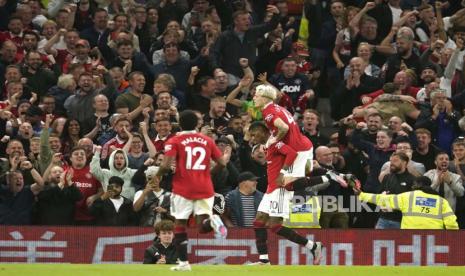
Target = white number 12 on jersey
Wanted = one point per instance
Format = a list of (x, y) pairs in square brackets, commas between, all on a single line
[(194, 152)]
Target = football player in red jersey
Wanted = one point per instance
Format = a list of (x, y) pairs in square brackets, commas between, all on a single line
[(192, 186), (283, 128), (274, 206)]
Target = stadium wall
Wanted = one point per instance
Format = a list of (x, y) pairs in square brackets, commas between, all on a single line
[(43, 244)]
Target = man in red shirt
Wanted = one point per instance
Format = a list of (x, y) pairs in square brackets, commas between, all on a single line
[(283, 128), (122, 126), (14, 32), (89, 186), (163, 128), (275, 204), (63, 57), (82, 56), (192, 186)]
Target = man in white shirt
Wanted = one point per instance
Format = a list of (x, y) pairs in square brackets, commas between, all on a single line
[(153, 202)]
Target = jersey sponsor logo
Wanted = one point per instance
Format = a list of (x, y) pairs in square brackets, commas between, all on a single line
[(426, 202), (83, 185), (269, 117), (291, 88), (168, 148), (194, 140)]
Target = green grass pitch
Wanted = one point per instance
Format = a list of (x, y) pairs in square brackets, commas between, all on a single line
[(222, 270)]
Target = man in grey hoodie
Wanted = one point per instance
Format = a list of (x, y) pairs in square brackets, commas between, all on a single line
[(118, 164)]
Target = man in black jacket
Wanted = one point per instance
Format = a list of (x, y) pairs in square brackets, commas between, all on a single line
[(405, 56), (38, 77), (253, 159), (112, 209), (162, 251), (310, 128), (356, 84), (99, 30), (56, 201), (398, 181), (241, 42), (330, 218), (128, 58)]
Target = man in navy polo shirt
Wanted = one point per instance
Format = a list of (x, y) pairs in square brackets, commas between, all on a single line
[(292, 83)]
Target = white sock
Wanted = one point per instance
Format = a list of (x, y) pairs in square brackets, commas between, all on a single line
[(309, 244), (183, 263), (263, 257)]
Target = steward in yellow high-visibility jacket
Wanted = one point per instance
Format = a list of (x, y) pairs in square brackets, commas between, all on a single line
[(421, 208), (305, 215)]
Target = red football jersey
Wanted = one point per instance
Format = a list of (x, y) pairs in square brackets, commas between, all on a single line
[(114, 142), (160, 143), (277, 155), (294, 138), (88, 185), (62, 57), (193, 152)]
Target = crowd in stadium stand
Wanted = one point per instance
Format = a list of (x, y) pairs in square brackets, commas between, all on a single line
[(92, 89)]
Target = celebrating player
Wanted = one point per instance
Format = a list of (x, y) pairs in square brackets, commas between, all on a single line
[(274, 206), (192, 186), (283, 128), (285, 138)]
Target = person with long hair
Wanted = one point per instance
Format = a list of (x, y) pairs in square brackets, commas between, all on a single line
[(70, 135)]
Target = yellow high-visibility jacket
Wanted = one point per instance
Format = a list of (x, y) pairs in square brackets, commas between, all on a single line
[(304, 215), (420, 210)]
